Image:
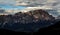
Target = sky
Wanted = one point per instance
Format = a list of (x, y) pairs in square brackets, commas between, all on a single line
[(7, 1), (52, 3), (45, 2), (10, 4)]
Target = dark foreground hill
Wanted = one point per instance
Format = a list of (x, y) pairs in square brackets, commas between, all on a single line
[(27, 22), (53, 29)]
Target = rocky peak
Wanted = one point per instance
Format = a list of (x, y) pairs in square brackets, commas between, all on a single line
[(28, 17)]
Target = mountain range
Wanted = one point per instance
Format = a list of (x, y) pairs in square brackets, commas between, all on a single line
[(27, 22)]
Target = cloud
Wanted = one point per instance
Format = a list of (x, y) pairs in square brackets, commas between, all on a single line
[(52, 3), (30, 2), (7, 2), (55, 4)]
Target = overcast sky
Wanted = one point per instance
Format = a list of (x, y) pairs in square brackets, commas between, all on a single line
[(7, 1), (36, 1), (53, 3)]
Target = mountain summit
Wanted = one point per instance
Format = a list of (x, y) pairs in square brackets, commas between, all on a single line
[(28, 21)]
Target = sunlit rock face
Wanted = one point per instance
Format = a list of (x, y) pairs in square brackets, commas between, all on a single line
[(34, 16), (40, 14)]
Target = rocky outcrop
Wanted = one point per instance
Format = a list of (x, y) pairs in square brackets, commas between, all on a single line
[(28, 17), (38, 15)]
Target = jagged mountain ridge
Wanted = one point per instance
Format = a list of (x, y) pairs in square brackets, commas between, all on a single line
[(34, 15), (26, 21)]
